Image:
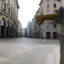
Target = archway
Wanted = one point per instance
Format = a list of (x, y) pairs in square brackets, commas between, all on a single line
[(3, 28), (7, 29)]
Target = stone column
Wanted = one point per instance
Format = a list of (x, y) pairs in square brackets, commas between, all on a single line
[(51, 35), (8, 29), (4, 29), (10, 32), (13, 31), (62, 36), (62, 44), (0, 29), (62, 49)]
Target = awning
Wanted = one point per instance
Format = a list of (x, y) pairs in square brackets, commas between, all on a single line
[(41, 18)]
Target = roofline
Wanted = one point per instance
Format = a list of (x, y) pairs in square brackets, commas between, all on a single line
[(40, 3), (17, 4)]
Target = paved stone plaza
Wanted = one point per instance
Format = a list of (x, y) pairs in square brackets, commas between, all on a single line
[(29, 51)]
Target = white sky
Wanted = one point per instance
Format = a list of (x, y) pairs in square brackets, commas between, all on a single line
[(27, 10)]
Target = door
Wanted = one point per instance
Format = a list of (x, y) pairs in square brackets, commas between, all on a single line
[(48, 35), (55, 35)]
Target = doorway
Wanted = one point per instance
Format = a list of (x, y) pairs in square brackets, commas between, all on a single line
[(48, 35), (3, 28), (55, 35)]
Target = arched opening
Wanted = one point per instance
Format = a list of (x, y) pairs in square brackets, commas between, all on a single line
[(11, 30), (7, 29), (3, 28)]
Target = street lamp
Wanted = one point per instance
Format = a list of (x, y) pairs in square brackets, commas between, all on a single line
[(62, 33)]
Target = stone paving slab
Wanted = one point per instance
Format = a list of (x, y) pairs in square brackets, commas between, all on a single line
[(29, 51)]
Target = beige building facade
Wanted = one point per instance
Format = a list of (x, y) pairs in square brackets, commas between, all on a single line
[(49, 6), (36, 29), (19, 29), (8, 18), (50, 30)]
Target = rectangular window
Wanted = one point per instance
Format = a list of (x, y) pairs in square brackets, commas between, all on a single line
[(48, 5), (8, 10), (55, 25), (55, 11), (55, 5), (4, 7), (55, 35), (48, 11), (49, 25)]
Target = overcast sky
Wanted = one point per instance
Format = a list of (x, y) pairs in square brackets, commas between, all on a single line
[(27, 10)]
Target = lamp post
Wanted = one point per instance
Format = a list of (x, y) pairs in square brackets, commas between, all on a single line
[(62, 33)]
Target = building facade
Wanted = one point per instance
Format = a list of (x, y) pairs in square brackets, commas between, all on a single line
[(36, 29), (50, 30), (30, 29), (19, 29), (49, 6), (8, 18), (24, 32)]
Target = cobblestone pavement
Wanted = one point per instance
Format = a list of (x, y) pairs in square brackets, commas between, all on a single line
[(29, 51)]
